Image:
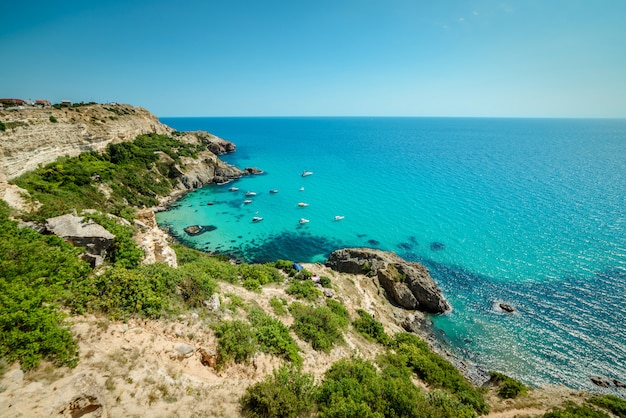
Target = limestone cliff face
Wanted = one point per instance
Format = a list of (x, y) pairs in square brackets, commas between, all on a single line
[(39, 136)]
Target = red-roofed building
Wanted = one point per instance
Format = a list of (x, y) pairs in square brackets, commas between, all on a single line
[(42, 103), (12, 102)]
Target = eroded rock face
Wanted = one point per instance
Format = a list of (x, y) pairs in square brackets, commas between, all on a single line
[(406, 284), (77, 396), (33, 138), (153, 241), (87, 234)]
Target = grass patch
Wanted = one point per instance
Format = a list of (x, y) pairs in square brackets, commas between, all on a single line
[(571, 410)]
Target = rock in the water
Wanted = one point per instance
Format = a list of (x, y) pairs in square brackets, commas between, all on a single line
[(619, 384), (252, 170), (406, 284), (199, 229), (506, 307), (600, 381)]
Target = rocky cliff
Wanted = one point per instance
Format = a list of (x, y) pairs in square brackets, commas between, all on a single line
[(406, 284), (38, 136)]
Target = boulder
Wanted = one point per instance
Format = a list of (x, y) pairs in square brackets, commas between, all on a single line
[(87, 234), (506, 307), (407, 284), (213, 303), (80, 396), (600, 381)]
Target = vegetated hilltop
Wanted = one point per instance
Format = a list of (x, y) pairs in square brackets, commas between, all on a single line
[(34, 136), (204, 336)]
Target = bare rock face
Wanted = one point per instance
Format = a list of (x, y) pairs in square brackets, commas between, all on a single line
[(207, 168), (406, 284), (153, 241), (81, 396), (216, 145), (39, 136), (87, 234)]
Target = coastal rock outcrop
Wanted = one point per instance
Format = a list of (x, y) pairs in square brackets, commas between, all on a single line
[(407, 284), (206, 169), (87, 234)]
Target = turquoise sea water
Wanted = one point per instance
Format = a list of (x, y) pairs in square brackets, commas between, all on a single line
[(531, 212)]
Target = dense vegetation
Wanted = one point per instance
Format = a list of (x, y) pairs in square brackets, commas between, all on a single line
[(37, 275), (134, 173)]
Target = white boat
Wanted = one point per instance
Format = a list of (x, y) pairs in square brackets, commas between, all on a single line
[(233, 189), (247, 202), (302, 189), (257, 219), (339, 217), (273, 191), (306, 173), (303, 221), (303, 205), (250, 193)]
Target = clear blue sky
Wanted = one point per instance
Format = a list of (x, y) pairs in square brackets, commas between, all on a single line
[(526, 58)]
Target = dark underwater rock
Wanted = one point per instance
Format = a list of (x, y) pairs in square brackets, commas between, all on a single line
[(437, 246), (199, 229)]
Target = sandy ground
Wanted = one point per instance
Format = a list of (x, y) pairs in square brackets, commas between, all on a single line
[(133, 369)]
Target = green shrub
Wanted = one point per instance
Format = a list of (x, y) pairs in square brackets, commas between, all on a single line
[(366, 268), (235, 342), (254, 276), (37, 274), (438, 372), (611, 403), (53, 119), (285, 394), (318, 326), (273, 336), (325, 282), (303, 289), (370, 328), (234, 302), (124, 252), (3, 127), (354, 388), (341, 313), (509, 388), (199, 263), (571, 410), (286, 266), (121, 293), (279, 305), (132, 170)]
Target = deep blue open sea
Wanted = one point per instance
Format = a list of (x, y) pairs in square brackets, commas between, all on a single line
[(531, 212)]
